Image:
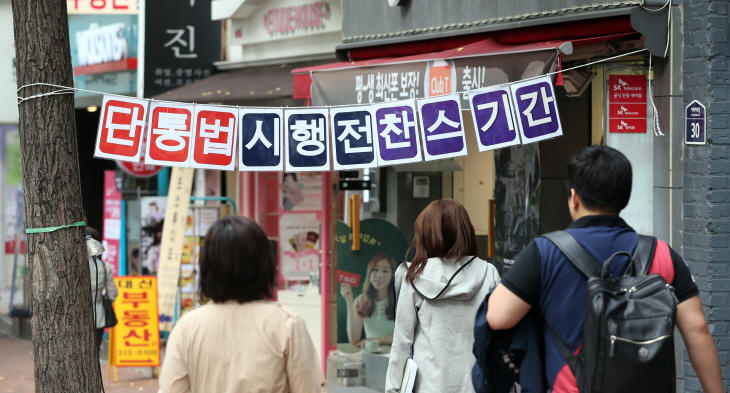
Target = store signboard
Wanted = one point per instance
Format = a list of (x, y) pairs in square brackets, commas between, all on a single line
[(493, 116), (398, 138), (102, 7), (695, 123), (537, 111), (442, 128), (181, 44), (136, 337), (352, 138), (627, 103), (112, 214)]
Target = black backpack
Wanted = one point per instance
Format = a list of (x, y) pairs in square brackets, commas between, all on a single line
[(628, 343)]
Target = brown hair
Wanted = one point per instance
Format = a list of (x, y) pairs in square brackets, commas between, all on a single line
[(443, 230), (237, 262), (365, 305)]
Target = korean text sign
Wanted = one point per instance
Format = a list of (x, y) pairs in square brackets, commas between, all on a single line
[(397, 133), (493, 115), (627, 103), (352, 138), (137, 335), (121, 127), (537, 110), (260, 139), (307, 143), (442, 127)]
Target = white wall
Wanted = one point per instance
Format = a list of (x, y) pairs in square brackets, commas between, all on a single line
[(8, 86)]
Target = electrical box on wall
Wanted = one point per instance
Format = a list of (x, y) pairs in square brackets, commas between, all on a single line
[(421, 186)]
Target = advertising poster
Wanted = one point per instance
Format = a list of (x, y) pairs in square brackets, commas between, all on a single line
[(152, 210), (299, 239), (112, 232), (366, 294), (517, 200), (196, 227), (301, 191), (136, 338)]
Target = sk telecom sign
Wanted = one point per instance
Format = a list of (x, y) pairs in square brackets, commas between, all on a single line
[(627, 103)]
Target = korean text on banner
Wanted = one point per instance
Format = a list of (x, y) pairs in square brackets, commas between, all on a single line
[(352, 138), (627, 103), (442, 127), (397, 136), (112, 221), (121, 127), (307, 145), (214, 140), (173, 235), (537, 111), (169, 134), (259, 143), (136, 336), (493, 115)]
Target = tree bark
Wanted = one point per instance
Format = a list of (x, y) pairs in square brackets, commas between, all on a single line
[(64, 346)]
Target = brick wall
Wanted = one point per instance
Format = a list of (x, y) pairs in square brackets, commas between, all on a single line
[(706, 169)]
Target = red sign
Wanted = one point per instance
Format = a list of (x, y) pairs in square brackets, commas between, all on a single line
[(169, 135), (121, 128), (627, 103), (215, 138), (139, 169), (282, 20), (112, 221), (439, 80), (344, 277)]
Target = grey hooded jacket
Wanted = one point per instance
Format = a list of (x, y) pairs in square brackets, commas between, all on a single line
[(440, 331)]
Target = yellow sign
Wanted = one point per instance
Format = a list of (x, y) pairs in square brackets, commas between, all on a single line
[(136, 338)]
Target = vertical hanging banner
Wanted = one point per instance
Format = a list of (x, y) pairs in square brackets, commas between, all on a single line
[(627, 103), (537, 111), (442, 127), (352, 138), (173, 235), (214, 138), (112, 231), (306, 140), (395, 127), (493, 115), (121, 126), (169, 133), (259, 143), (136, 338)]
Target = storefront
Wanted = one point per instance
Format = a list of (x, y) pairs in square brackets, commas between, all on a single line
[(607, 95)]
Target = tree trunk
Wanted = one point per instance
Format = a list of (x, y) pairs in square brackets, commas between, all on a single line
[(64, 346)]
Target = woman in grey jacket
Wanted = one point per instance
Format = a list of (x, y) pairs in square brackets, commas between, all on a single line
[(438, 295)]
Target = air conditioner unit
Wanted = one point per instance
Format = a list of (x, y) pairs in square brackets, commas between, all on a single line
[(575, 82)]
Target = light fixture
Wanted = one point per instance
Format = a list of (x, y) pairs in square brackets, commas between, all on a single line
[(92, 108)]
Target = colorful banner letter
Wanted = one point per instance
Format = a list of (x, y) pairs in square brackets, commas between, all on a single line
[(121, 127), (352, 138), (442, 127), (260, 145), (169, 133), (306, 140), (537, 111), (398, 141), (494, 122), (214, 140)]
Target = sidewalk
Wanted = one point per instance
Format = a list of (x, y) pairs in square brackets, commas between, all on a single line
[(16, 371)]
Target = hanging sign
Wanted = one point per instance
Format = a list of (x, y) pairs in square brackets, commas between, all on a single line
[(169, 133), (493, 116), (352, 138), (442, 127), (395, 126), (214, 138), (136, 337), (139, 169), (112, 221), (537, 111), (121, 126), (695, 122), (260, 139), (306, 140), (627, 103)]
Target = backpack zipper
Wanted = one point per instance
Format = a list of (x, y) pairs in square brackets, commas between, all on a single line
[(616, 338)]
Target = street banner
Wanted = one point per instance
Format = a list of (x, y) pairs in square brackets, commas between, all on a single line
[(121, 127), (395, 125), (627, 103), (442, 127), (214, 140), (112, 215), (171, 247), (259, 143), (136, 337), (537, 111), (169, 134), (352, 138), (307, 144), (493, 116)]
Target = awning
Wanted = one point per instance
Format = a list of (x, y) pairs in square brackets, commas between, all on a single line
[(269, 86), (480, 64)]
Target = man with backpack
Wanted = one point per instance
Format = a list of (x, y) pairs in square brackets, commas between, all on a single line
[(628, 311)]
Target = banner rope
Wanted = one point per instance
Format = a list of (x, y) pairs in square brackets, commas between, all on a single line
[(52, 229)]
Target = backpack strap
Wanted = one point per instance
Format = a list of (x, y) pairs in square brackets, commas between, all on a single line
[(575, 253), (643, 256)]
